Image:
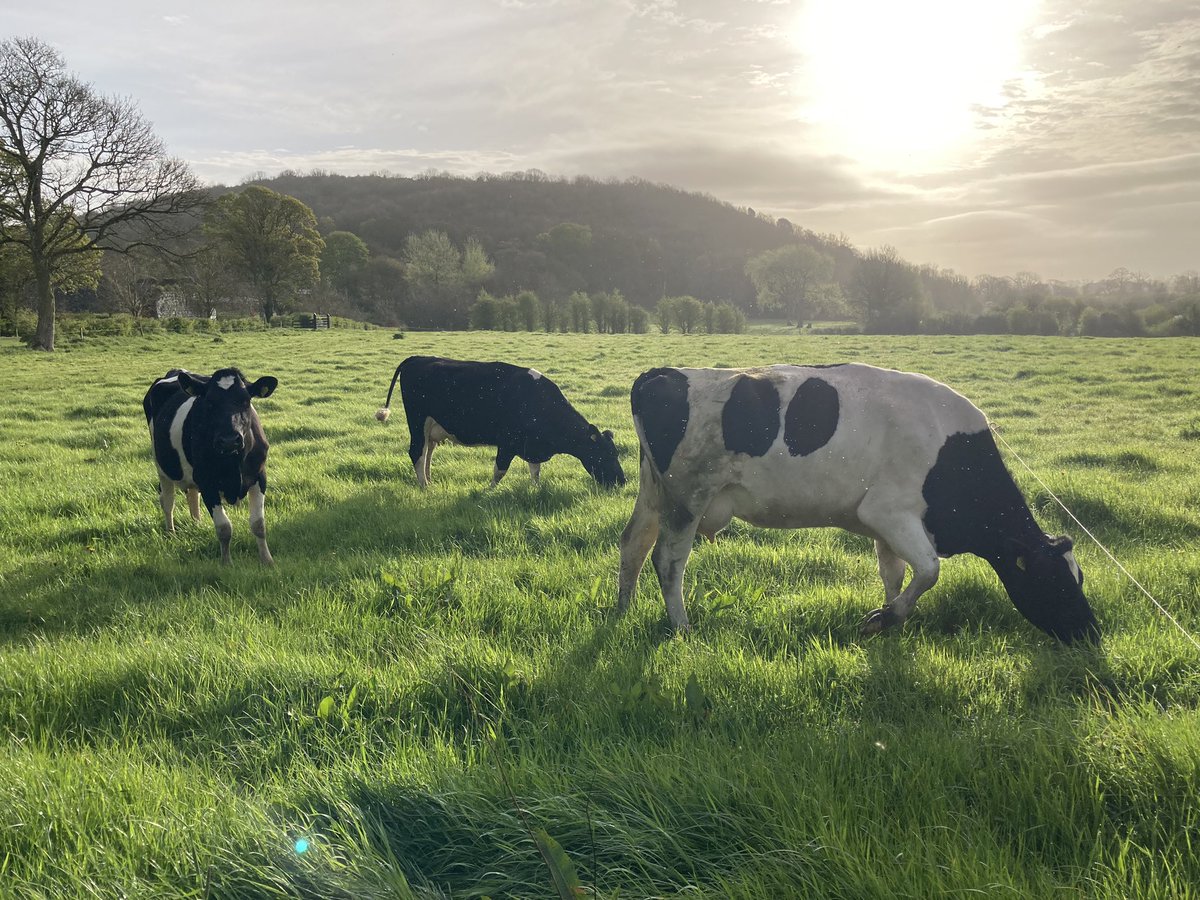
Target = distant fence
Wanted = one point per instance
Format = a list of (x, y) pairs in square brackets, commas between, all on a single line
[(313, 321)]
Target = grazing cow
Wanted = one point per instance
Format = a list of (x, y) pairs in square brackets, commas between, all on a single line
[(518, 411), (208, 441), (894, 456)]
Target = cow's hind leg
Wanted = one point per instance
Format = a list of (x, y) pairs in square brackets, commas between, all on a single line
[(258, 521), (535, 473), (676, 531), (418, 427), (636, 541), (891, 571), (166, 499), (907, 540), (427, 460), (193, 498)]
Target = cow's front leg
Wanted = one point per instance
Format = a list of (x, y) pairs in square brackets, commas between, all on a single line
[(193, 498), (504, 459), (258, 521), (676, 531), (907, 540), (212, 500), (636, 541), (166, 499), (535, 472)]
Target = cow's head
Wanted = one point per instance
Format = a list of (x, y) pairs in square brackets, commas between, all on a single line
[(223, 410), (1046, 585), (599, 457)]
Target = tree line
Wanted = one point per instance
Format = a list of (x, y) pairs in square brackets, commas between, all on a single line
[(95, 215)]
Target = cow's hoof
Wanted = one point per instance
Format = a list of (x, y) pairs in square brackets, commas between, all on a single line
[(878, 620)]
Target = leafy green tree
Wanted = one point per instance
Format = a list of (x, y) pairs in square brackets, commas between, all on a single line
[(485, 314), (888, 292), (271, 241), (617, 311), (789, 278), (528, 308), (556, 313), (476, 267), (639, 320), (664, 312), (75, 272), (581, 312), (599, 303), (342, 262), (688, 313), (729, 319), (79, 172), (440, 277), (508, 314)]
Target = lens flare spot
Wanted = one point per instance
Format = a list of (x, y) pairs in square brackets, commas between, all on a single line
[(301, 845)]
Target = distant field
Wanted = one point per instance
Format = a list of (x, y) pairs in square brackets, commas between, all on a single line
[(427, 679)]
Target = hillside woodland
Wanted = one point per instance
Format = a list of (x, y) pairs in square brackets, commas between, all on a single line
[(525, 251)]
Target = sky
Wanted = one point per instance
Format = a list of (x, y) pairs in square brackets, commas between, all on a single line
[(1060, 137)]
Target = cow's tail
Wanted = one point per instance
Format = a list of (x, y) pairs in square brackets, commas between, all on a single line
[(384, 411)]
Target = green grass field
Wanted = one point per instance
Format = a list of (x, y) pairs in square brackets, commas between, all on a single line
[(426, 680)]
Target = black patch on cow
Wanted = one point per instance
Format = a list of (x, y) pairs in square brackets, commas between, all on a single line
[(659, 399), (750, 419), (812, 417), (973, 504)]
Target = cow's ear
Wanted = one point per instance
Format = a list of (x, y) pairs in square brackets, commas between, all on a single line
[(193, 387), (1062, 544), (264, 387), (1018, 550), (607, 434)]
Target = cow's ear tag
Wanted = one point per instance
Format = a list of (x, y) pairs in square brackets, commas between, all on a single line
[(1021, 563)]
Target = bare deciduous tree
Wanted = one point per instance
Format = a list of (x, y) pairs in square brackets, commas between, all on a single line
[(81, 171)]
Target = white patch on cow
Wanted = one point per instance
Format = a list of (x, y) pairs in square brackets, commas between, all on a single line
[(171, 380), (176, 434), (1069, 556), (225, 382), (535, 373)]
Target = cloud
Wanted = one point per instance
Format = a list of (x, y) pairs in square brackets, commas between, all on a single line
[(1086, 160)]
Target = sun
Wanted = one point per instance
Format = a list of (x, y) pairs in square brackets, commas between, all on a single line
[(900, 85)]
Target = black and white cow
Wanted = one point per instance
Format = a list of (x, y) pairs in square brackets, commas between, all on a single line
[(208, 441), (517, 410), (897, 457)]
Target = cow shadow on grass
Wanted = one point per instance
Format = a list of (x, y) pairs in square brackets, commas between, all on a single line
[(81, 592), (480, 523)]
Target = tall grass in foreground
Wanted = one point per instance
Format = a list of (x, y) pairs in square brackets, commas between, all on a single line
[(427, 680)]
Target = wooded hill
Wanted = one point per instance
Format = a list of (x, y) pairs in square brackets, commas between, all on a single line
[(647, 240)]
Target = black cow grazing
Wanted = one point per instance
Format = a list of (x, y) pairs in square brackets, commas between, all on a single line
[(208, 441), (518, 411), (893, 456)]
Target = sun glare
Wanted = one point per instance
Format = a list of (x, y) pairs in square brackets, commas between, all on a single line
[(899, 84)]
